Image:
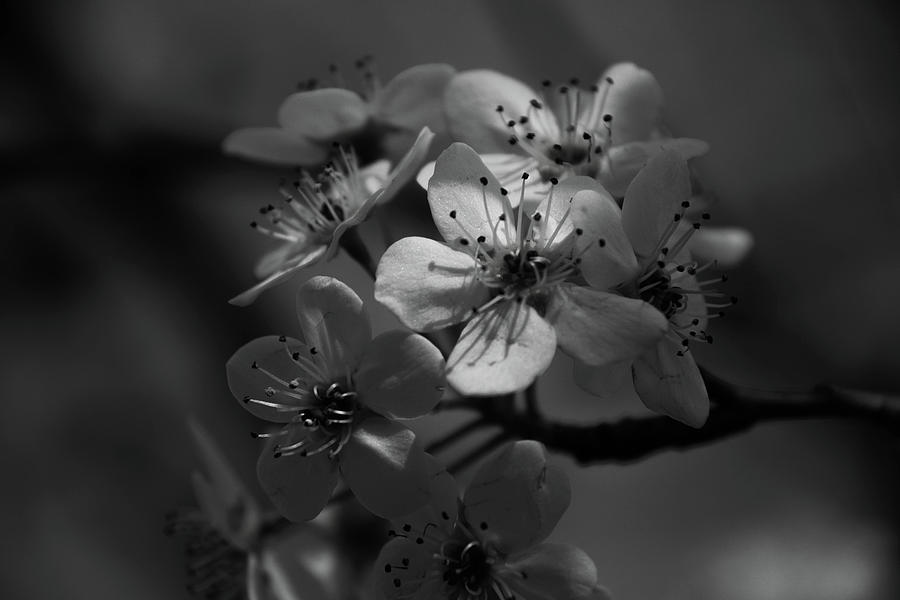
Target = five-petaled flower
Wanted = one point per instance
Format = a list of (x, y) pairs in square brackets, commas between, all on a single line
[(380, 122), (663, 273), (315, 212), (337, 394), (232, 551), (517, 277), (490, 545), (605, 131)]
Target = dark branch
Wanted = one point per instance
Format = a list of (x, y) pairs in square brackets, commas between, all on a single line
[(734, 410)]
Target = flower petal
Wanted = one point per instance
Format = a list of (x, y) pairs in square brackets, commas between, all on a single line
[(273, 145), (428, 285), (405, 169), (635, 100), (325, 115), (401, 375), (671, 384), (299, 486), (508, 169), (334, 322), (247, 297), (402, 570), (470, 104), (386, 468), (414, 98), (600, 328), (654, 199), (623, 162), (517, 497), (613, 381), (408, 165), (607, 259), (501, 350), (727, 246), (465, 211), (553, 571), (440, 513), (272, 356)]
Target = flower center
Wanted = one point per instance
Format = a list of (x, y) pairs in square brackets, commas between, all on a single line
[(327, 425), (467, 567), (659, 293), (564, 129)]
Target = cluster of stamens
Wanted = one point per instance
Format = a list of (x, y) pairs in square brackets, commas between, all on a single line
[(315, 205), (366, 71), (323, 414), (666, 284), (563, 128), (466, 566), (520, 263)]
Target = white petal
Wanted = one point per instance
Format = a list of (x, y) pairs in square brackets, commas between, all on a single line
[(424, 175), (654, 200), (600, 328), (671, 384), (333, 322), (501, 350), (248, 372), (553, 571), (727, 246), (635, 100), (408, 165), (470, 104), (414, 98), (607, 258), (428, 285), (516, 498), (291, 268), (612, 381), (401, 568), (623, 162), (327, 114), (386, 468), (273, 145), (401, 375), (508, 169), (465, 211), (439, 514), (299, 486)]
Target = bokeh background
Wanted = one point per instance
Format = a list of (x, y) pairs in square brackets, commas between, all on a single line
[(124, 232)]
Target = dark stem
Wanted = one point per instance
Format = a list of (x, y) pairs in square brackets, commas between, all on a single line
[(455, 435), (478, 451), (353, 245), (734, 410), (531, 400)]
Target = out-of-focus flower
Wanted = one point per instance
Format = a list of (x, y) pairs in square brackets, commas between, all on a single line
[(315, 212), (665, 275), (337, 394), (379, 122), (517, 277), (606, 131), (490, 545), (231, 550)]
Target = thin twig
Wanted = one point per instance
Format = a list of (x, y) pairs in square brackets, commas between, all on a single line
[(455, 435)]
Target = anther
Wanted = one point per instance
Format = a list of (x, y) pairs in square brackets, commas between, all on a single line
[(483, 180)]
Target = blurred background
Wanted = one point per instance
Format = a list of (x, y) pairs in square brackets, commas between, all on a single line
[(125, 232)]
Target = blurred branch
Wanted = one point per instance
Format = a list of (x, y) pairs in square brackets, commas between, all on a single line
[(734, 410)]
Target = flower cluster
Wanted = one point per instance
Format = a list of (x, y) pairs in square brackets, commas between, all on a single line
[(564, 218)]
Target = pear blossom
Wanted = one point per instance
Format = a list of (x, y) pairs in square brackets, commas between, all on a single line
[(666, 377), (606, 130), (337, 395), (232, 551), (381, 121), (315, 212), (489, 545), (517, 277)]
